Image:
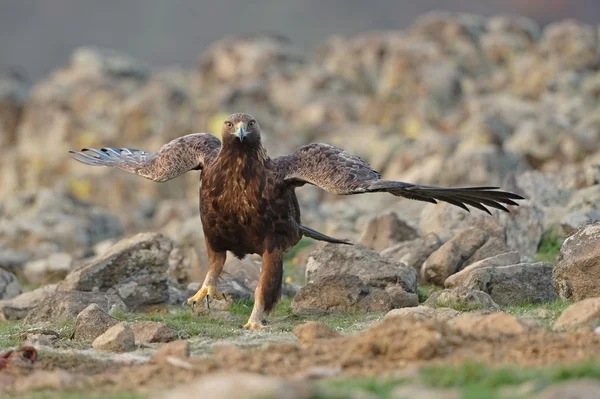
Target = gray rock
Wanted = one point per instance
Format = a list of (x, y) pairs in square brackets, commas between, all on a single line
[(152, 331), (577, 272), (521, 283), (12, 261), (413, 253), (366, 264), (17, 308), (9, 286), (65, 306), (134, 269), (504, 259), (92, 322), (232, 288), (385, 231), (466, 247), (340, 293), (574, 220), (118, 338), (424, 313), (586, 312), (463, 297), (401, 298)]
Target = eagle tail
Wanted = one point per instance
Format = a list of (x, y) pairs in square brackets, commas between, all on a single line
[(314, 234)]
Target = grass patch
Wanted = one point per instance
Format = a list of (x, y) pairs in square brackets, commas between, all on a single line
[(424, 291), (460, 306), (552, 309), (9, 334), (351, 388), (549, 247)]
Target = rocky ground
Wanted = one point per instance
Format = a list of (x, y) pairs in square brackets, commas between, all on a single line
[(432, 301)]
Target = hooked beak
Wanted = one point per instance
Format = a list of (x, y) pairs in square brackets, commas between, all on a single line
[(241, 131)]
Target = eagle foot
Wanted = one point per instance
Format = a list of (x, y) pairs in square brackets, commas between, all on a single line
[(253, 325), (206, 292)]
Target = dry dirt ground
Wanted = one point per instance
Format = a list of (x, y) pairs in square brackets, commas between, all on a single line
[(381, 347)]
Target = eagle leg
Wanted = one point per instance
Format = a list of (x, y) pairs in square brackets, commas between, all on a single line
[(268, 290), (209, 291)]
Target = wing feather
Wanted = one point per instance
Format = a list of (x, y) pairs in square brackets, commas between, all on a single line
[(339, 172), (173, 159)]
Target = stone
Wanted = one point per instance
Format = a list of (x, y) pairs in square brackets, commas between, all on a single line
[(585, 312), (386, 230), (152, 331), (118, 338), (341, 293), (9, 286), (400, 298), (39, 337), (40, 380), (461, 297), (179, 349), (456, 254), (504, 259), (134, 269), (582, 388), (17, 308), (311, 331), (488, 325), (366, 264), (232, 288), (65, 306), (520, 283), (50, 270), (92, 322), (226, 385), (414, 252), (12, 261), (424, 313), (577, 272)]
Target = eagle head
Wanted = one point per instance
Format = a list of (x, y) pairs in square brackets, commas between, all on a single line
[(244, 127)]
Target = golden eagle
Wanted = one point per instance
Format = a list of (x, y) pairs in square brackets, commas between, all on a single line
[(248, 203)]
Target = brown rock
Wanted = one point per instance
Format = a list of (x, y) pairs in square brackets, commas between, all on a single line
[(488, 325), (311, 331), (586, 312), (178, 349), (577, 272), (423, 313), (17, 308), (461, 297), (413, 253), (385, 231), (93, 322), (505, 259), (400, 298), (118, 338), (152, 331)]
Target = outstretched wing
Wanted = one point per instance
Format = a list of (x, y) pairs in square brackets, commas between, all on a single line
[(339, 172), (173, 159)]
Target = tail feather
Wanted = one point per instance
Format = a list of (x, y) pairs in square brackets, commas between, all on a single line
[(308, 232)]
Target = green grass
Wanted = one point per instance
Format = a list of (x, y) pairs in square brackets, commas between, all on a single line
[(549, 247), (460, 306), (9, 333), (424, 291), (553, 309)]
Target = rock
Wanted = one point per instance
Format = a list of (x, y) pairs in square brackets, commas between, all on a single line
[(152, 331), (424, 313), (585, 312), (504, 259), (489, 325), (232, 288), (386, 230), (50, 270), (366, 264), (13, 94), (520, 283), (17, 308), (65, 306), (582, 388), (118, 338), (40, 380), (9, 286), (342, 292), (12, 261), (461, 297), (522, 228), (414, 252), (39, 337), (226, 385), (400, 298), (134, 269), (178, 349), (404, 391), (246, 270), (577, 272), (464, 248), (311, 331), (92, 322)]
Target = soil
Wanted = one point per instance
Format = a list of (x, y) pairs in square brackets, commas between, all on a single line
[(384, 349)]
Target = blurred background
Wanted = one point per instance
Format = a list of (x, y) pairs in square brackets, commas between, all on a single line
[(462, 92)]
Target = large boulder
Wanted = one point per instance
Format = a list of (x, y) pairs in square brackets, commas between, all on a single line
[(65, 306), (9, 286), (504, 259), (414, 252), (135, 269), (466, 247), (385, 230), (586, 312), (520, 283), (577, 273)]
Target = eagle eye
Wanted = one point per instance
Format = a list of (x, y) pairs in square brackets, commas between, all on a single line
[(228, 124), (251, 123)]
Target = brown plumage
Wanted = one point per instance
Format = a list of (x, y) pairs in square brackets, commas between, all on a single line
[(247, 200)]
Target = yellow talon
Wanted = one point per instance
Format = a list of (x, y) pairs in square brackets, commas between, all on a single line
[(209, 292), (252, 325)]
